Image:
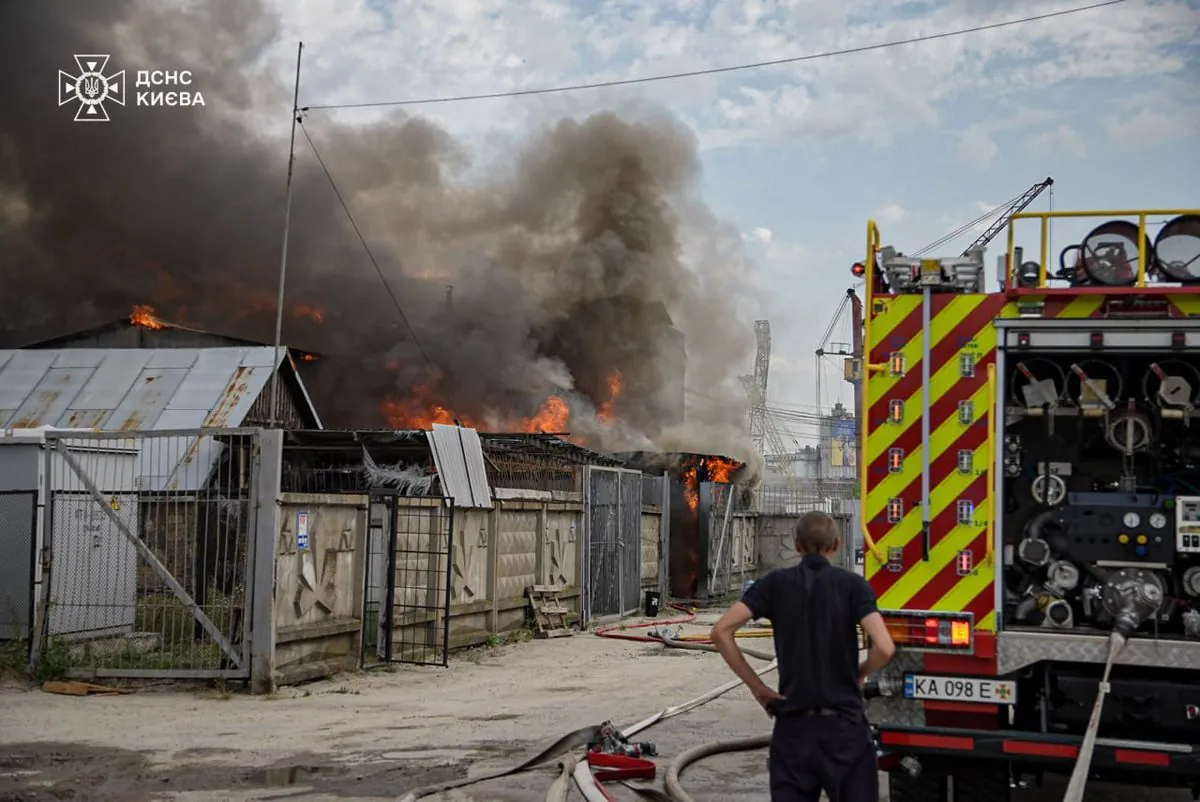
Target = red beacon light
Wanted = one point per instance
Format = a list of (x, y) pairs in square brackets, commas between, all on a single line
[(858, 269)]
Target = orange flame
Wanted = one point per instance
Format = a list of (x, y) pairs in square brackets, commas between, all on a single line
[(422, 409), (691, 487), (309, 357), (143, 316), (313, 313), (616, 383), (720, 469), (553, 417)]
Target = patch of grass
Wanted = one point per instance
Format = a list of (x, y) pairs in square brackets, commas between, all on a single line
[(165, 636), (14, 659), (53, 662)]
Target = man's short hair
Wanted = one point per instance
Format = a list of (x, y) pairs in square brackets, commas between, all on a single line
[(816, 533)]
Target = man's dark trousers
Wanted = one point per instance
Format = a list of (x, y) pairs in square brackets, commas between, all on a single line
[(819, 751)]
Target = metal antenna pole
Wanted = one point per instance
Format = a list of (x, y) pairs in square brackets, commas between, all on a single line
[(287, 225)]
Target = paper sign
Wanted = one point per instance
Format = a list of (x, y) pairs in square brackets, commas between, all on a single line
[(302, 530)]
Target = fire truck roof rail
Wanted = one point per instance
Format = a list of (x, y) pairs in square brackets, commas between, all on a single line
[(1140, 284)]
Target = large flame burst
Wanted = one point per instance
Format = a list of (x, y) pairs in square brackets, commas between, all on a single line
[(423, 407), (705, 469)]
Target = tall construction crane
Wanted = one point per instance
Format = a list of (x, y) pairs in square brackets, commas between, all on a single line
[(850, 350), (764, 430), (1005, 212), (757, 386)]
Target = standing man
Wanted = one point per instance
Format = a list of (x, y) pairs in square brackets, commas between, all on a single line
[(821, 740)]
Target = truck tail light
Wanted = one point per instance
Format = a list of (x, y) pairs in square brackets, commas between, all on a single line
[(931, 630)]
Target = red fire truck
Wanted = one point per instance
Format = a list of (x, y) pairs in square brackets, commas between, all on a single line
[(1030, 466)]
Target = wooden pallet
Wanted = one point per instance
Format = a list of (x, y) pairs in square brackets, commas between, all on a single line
[(549, 613)]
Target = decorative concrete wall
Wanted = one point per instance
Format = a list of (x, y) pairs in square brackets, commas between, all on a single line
[(318, 599)]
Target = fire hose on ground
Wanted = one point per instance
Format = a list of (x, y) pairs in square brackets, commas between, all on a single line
[(562, 749)]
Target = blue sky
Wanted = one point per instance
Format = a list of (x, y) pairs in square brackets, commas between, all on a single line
[(923, 137)]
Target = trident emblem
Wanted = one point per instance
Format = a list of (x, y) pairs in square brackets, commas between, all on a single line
[(91, 88)]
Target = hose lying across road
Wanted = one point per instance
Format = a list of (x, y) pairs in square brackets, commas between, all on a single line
[(675, 790), (581, 738)]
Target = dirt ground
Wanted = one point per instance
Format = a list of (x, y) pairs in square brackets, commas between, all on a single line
[(376, 735)]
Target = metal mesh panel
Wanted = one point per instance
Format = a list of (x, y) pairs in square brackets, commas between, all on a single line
[(408, 576), (421, 598), (720, 528), (17, 544), (149, 537), (604, 586), (630, 540), (377, 590)]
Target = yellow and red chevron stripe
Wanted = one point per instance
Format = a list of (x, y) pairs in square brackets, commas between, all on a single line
[(960, 324)]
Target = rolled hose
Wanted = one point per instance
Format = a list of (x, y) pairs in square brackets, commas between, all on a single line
[(671, 781)]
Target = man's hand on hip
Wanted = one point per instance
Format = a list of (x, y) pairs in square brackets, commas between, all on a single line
[(767, 697)]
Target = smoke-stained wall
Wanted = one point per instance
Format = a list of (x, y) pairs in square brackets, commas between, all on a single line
[(566, 261)]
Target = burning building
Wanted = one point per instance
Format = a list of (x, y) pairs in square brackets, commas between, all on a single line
[(704, 492)]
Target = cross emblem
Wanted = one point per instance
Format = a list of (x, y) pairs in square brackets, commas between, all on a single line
[(555, 557), (464, 567)]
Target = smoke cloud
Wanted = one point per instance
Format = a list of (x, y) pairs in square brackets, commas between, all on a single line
[(565, 261)]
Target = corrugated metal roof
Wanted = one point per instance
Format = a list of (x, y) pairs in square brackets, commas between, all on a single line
[(131, 389), (458, 455)]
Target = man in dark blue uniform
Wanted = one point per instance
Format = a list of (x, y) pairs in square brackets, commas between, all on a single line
[(821, 740)]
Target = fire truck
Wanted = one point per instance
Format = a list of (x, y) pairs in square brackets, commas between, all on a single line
[(1030, 473)]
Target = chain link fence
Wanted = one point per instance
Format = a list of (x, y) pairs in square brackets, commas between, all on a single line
[(149, 537)]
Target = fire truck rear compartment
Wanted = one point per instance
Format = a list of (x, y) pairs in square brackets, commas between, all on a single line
[(1100, 463)]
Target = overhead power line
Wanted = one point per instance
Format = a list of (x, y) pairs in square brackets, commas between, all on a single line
[(367, 248), (849, 51)]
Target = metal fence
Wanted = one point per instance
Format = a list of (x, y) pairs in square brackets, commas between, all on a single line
[(794, 497), (407, 590), (722, 538), (18, 544), (613, 558), (149, 537)]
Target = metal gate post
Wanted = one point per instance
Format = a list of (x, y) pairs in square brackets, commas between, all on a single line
[(620, 544), (266, 487), (584, 551), (664, 537), (41, 613), (449, 585), (389, 596)]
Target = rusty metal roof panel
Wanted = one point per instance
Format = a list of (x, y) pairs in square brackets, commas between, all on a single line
[(139, 390), (458, 455)]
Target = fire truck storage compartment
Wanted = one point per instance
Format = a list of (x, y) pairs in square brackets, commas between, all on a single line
[(1144, 704), (1100, 475)]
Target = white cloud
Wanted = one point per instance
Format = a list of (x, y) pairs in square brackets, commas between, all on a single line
[(1149, 127), (1061, 141), (890, 214), (976, 147), (760, 234), (363, 50)]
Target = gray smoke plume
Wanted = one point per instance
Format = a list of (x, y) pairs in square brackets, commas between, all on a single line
[(565, 262)]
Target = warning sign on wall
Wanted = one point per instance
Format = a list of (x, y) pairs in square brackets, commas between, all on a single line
[(302, 530)]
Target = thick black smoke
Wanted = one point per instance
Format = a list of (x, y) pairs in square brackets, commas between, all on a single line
[(564, 263)]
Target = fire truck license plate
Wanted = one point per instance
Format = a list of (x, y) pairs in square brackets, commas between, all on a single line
[(960, 689)]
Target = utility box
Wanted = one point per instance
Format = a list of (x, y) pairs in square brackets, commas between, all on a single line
[(92, 563)]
